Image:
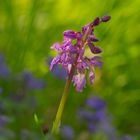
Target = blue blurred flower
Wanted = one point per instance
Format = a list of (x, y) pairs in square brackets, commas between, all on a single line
[(92, 128), (67, 132), (32, 82), (4, 70), (95, 117), (4, 120), (96, 102), (86, 115)]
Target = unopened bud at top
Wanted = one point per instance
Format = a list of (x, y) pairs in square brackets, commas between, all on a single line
[(106, 18)]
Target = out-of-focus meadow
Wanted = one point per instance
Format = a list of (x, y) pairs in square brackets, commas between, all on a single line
[(27, 88)]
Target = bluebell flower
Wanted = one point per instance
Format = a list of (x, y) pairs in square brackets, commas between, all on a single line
[(32, 82), (96, 102), (86, 115), (4, 70), (67, 132), (4, 120)]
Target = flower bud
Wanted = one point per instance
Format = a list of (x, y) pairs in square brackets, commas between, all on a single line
[(106, 18)]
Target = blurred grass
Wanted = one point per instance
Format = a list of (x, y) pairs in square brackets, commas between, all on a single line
[(28, 28)]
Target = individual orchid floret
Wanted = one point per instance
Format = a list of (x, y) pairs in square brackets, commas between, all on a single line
[(70, 34), (71, 53)]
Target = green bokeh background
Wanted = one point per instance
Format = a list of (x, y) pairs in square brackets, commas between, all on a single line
[(29, 27)]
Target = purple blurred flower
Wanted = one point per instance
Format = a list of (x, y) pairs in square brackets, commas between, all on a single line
[(67, 132), (4, 70), (96, 102), (86, 115), (71, 55), (32, 82), (92, 128), (4, 120), (95, 116)]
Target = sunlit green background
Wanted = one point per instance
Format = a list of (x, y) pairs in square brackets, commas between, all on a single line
[(29, 27)]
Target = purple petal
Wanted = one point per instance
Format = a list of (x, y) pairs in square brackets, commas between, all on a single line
[(54, 61), (72, 49), (79, 36), (67, 41), (85, 28), (95, 62), (81, 66), (91, 77), (106, 18), (79, 81), (57, 46), (70, 34)]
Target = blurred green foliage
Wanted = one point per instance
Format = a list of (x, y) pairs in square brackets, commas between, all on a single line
[(29, 27)]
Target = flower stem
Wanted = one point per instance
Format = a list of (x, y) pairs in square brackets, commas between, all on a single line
[(57, 122)]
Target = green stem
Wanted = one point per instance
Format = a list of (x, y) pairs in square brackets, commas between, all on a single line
[(57, 122)]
